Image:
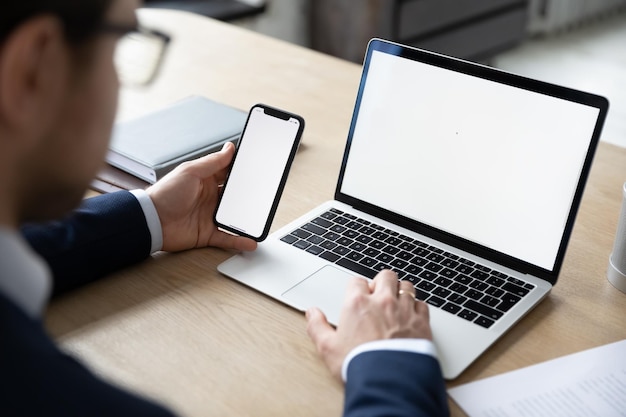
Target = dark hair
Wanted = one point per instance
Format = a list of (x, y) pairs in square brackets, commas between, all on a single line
[(81, 18)]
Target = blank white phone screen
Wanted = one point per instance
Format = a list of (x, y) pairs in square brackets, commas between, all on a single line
[(257, 171)]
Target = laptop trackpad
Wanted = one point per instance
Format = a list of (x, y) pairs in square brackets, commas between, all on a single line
[(325, 289)]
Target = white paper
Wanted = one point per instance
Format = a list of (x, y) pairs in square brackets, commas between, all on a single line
[(584, 384)]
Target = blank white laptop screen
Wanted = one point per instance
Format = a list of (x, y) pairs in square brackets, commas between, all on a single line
[(494, 164)]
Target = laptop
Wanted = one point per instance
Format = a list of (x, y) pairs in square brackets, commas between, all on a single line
[(462, 178)]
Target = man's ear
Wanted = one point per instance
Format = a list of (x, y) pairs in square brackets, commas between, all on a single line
[(34, 60)]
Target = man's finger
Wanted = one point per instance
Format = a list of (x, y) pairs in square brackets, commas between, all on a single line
[(227, 241), (212, 163), (406, 292), (318, 328), (386, 283)]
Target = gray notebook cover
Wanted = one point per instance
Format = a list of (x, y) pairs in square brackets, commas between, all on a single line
[(157, 142)]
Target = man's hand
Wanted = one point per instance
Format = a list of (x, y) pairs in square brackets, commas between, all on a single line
[(383, 308), (186, 199)]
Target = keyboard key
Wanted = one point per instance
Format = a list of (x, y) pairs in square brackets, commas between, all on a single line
[(366, 230), (429, 275), (490, 301), (473, 294), (310, 227), (329, 256), (464, 269), (315, 250), (328, 245), (435, 257), (359, 247), (515, 289), (394, 241), (341, 220), (302, 244), (463, 279), (494, 292), (368, 262), (421, 294), (341, 250), (405, 256), (378, 244), (449, 273), (516, 281), (479, 275), (380, 236), (489, 312), (338, 229), (444, 282), (331, 236), (363, 239), (467, 262), (451, 308), (495, 281), (431, 266), (458, 288), (353, 225), (329, 215), (435, 301), (478, 285), (399, 263), (392, 250), (441, 292), (356, 267), (289, 239), (301, 233), (383, 257), (406, 246), (356, 256), (457, 299), (381, 265), (371, 252), (315, 239), (467, 315), (426, 286), (344, 241), (507, 302), (413, 269), (484, 321), (322, 222)]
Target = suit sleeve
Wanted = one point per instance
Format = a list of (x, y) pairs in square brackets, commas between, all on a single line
[(37, 379), (393, 383), (105, 234)]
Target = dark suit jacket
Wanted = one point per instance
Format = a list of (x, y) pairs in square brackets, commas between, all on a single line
[(108, 233)]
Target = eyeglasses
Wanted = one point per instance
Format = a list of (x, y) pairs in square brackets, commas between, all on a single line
[(139, 53)]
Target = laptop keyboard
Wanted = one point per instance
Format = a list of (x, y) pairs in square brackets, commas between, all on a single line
[(457, 285)]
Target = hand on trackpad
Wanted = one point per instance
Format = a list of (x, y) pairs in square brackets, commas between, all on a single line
[(324, 289)]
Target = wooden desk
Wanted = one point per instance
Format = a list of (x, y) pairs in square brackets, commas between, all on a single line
[(176, 330)]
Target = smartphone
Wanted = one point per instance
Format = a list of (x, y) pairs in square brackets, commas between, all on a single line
[(258, 173)]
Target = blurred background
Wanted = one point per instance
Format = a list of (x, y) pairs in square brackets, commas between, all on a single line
[(577, 43)]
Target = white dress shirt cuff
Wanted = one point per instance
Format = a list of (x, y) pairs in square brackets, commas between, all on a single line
[(152, 219), (423, 346)]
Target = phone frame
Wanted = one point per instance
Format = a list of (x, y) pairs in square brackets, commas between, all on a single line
[(281, 114)]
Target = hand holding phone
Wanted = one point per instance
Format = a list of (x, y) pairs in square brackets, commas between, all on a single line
[(258, 174)]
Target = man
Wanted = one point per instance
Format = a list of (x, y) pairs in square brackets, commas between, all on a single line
[(58, 93)]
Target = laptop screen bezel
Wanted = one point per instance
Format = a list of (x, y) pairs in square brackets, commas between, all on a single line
[(492, 74)]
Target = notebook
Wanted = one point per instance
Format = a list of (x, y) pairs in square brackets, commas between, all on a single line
[(462, 178)]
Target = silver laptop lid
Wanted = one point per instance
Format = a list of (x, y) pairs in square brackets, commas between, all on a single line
[(483, 160)]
